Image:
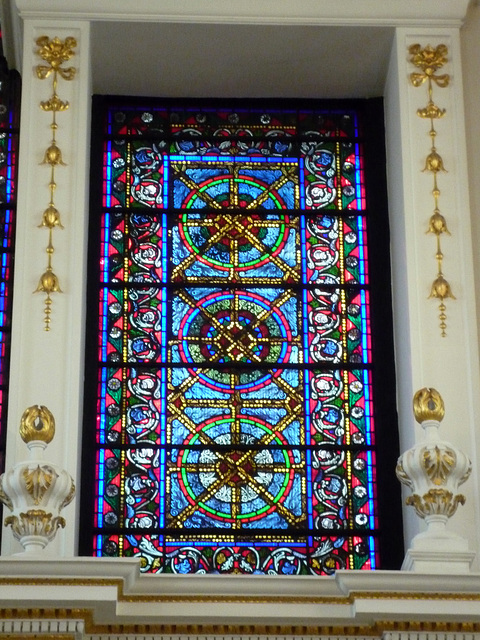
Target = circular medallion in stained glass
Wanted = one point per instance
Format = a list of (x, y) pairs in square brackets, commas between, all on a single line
[(236, 327), (227, 482), (231, 241)]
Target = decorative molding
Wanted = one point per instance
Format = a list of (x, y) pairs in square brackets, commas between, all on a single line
[(47, 635), (390, 13), (75, 617), (54, 52), (429, 60), (406, 595)]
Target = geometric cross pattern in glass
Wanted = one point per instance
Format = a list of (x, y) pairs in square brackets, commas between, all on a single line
[(234, 397)]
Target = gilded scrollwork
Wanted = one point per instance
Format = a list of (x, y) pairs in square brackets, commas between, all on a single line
[(429, 60), (54, 52)]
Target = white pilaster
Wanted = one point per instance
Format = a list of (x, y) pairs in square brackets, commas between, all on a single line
[(47, 367), (423, 358)]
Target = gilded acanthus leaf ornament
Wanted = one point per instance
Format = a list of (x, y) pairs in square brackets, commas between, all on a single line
[(38, 481), (435, 502), (35, 522), (55, 53), (429, 60), (402, 475), (438, 463)]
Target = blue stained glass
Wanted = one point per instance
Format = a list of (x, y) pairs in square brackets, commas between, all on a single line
[(236, 284)]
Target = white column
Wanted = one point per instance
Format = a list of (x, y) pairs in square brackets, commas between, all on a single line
[(47, 367), (423, 358)]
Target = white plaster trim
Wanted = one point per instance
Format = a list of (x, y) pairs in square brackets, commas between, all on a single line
[(41, 626), (437, 561), (308, 12), (348, 597)]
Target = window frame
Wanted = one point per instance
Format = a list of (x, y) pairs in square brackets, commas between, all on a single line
[(390, 538)]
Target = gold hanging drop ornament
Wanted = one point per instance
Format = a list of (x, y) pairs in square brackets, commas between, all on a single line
[(429, 60), (51, 218), (54, 52)]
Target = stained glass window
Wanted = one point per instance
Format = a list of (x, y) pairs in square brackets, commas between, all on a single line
[(9, 122), (234, 402)]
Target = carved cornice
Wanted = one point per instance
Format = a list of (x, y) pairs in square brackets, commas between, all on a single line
[(309, 12), (351, 598)]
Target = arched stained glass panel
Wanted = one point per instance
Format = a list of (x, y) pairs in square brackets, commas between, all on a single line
[(234, 398)]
